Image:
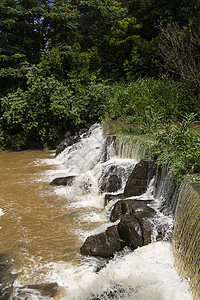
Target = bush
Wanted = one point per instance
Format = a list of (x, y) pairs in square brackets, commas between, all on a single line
[(178, 146), (146, 101), (39, 115)]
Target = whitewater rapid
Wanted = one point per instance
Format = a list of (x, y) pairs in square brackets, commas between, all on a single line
[(148, 273)]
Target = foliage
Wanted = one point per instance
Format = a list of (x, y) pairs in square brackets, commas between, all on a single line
[(175, 145), (58, 61), (21, 31), (180, 48), (39, 115), (92, 104), (12, 79), (150, 12), (178, 146), (147, 102), (135, 55)]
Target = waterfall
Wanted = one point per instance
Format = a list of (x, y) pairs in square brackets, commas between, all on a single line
[(166, 190), (186, 235), (148, 272), (129, 147)]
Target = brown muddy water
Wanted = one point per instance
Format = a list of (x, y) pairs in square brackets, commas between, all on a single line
[(37, 227)]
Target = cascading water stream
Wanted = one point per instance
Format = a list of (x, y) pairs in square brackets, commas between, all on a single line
[(147, 273), (186, 235)]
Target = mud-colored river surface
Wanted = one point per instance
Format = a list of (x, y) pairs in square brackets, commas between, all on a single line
[(37, 226)]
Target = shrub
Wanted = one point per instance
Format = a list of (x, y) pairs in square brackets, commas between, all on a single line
[(178, 146), (39, 115), (147, 102)]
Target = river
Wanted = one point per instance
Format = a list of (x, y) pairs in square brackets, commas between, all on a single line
[(42, 228)]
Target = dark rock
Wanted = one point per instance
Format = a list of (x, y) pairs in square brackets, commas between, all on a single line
[(139, 178), (145, 218), (110, 197), (112, 184), (6, 277), (111, 178), (127, 206), (104, 244), (67, 180), (130, 231), (134, 229), (136, 226), (69, 140), (82, 131), (147, 230), (101, 264)]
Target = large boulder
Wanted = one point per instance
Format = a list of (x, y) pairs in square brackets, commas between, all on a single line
[(68, 140), (66, 181), (104, 244), (136, 229), (110, 179), (140, 178), (114, 176), (128, 206), (130, 231)]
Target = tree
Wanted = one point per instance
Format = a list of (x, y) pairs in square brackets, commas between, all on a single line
[(150, 12), (21, 27), (134, 55), (180, 50)]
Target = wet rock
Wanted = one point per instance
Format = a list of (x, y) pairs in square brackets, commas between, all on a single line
[(101, 264), (112, 176), (147, 230), (6, 277), (67, 180), (139, 178), (134, 229), (110, 180), (69, 140), (145, 218), (110, 197), (136, 226), (104, 244), (130, 231), (127, 206)]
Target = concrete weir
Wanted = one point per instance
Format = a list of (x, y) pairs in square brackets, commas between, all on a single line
[(182, 202), (186, 235)]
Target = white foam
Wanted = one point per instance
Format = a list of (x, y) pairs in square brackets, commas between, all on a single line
[(1, 212), (146, 273)]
